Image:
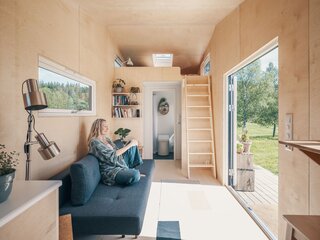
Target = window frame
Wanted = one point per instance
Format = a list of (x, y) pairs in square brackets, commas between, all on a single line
[(204, 63), (66, 72), (118, 62)]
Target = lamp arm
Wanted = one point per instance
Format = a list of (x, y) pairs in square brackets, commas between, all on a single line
[(28, 142)]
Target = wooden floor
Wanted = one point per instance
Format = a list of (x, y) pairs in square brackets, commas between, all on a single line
[(203, 208), (264, 200)]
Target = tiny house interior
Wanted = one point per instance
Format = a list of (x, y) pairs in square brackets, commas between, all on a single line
[(175, 58)]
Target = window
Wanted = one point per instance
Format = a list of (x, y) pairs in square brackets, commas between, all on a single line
[(205, 66), (68, 93), (162, 60), (117, 62)]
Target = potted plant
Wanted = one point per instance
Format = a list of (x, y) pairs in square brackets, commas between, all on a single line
[(245, 141), (8, 162), (123, 133), (118, 85), (239, 148)]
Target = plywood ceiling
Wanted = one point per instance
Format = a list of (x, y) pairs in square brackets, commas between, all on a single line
[(181, 27)]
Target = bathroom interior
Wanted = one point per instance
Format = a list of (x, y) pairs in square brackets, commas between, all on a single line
[(163, 124)]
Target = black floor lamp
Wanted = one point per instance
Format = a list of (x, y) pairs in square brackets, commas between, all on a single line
[(35, 100)]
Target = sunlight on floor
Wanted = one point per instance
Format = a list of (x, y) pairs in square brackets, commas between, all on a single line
[(203, 211), (170, 171)]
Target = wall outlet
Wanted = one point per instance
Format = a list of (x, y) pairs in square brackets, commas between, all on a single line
[(289, 129)]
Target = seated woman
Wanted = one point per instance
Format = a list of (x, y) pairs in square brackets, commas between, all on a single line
[(116, 165)]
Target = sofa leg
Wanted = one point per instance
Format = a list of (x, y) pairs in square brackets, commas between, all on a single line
[(136, 236), (123, 236)]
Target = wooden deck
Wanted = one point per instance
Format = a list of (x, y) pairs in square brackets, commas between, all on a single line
[(266, 188), (264, 200)]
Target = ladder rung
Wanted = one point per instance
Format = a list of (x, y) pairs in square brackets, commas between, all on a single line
[(198, 95), (200, 129), (200, 141), (201, 153), (201, 165), (198, 117), (198, 106), (197, 85)]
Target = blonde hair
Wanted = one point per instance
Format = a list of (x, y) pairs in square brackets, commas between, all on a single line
[(96, 129)]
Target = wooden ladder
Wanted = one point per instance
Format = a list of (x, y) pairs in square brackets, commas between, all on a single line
[(199, 123)]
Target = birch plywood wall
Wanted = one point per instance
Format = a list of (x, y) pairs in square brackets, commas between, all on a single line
[(243, 32), (314, 49), (61, 31)]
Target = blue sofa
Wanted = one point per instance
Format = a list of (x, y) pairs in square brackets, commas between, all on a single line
[(98, 209)]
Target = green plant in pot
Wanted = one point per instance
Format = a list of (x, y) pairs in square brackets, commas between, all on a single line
[(123, 133), (245, 140), (118, 85), (239, 147), (8, 162)]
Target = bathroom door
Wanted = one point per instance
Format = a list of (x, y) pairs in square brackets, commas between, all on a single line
[(148, 122)]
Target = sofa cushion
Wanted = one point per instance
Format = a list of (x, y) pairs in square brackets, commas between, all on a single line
[(85, 176), (147, 167), (65, 188)]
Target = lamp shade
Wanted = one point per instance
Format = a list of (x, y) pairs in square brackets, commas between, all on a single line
[(47, 149), (33, 99), (129, 62)]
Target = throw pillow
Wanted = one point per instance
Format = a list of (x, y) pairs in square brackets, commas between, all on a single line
[(85, 176)]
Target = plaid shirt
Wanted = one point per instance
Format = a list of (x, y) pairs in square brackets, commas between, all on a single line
[(110, 164)]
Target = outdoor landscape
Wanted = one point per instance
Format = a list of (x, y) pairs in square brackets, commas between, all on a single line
[(264, 146), (257, 111), (62, 92)]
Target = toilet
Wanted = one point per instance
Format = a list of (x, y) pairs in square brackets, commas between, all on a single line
[(163, 145)]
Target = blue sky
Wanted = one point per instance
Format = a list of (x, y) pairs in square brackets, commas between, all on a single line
[(269, 57), (46, 76)]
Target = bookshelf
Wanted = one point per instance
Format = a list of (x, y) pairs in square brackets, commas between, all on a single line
[(126, 105)]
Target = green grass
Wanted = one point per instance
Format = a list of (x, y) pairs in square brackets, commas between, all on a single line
[(264, 146)]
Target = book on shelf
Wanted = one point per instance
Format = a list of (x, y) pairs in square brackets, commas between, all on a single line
[(119, 112), (120, 100)]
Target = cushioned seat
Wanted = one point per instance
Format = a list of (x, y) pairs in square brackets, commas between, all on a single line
[(110, 209)]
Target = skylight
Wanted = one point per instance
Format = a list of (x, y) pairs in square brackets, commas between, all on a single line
[(162, 60)]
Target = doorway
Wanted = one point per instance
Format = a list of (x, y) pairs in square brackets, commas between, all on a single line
[(162, 121), (253, 137), (163, 124)]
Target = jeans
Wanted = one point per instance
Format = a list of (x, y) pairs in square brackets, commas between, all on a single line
[(132, 157), (127, 176), (131, 175)]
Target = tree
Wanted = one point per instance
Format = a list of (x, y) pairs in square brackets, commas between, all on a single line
[(249, 92), (267, 113), (257, 95)]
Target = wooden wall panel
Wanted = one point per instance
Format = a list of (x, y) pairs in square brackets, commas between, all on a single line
[(293, 98), (240, 34), (225, 53), (314, 44), (259, 24), (61, 31)]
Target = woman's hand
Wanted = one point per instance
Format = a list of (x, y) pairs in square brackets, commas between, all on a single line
[(132, 143)]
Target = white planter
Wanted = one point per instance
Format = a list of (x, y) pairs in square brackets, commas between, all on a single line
[(119, 89)]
